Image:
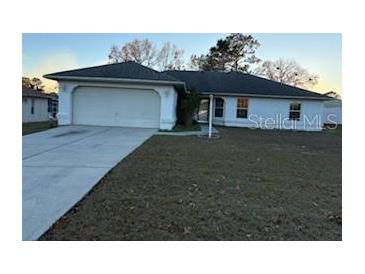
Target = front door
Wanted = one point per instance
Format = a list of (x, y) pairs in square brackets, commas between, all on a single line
[(203, 111)]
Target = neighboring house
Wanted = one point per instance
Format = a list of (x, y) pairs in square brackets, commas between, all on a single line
[(132, 95), (53, 105), (35, 105), (332, 112)]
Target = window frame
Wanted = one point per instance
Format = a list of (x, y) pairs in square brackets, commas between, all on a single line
[(240, 108), (295, 110), (220, 108)]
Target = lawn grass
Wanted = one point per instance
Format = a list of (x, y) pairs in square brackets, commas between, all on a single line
[(246, 185), (29, 128), (333, 129)]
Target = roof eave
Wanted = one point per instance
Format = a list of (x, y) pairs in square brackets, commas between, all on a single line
[(109, 79), (265, 96), (37, 96)]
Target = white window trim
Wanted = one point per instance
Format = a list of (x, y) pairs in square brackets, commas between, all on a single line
[(296, 111), (240, 108), (223, 107)]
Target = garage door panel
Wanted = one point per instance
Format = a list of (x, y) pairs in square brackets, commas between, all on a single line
[(116, 107)]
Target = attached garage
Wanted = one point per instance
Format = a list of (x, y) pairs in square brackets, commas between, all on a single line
[(121, 95), (105, 106)]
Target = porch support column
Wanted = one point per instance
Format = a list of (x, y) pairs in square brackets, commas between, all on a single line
[(210, 115), (65, 102)]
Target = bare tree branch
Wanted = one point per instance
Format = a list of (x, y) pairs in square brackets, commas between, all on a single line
[(144, 52), (287, 72), (170, 57)]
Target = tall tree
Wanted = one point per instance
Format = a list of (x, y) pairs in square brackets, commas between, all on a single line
[(288, 72), (26, 82), (114, 55), (236, 52), (34, 83), (170, 57), (196, 62), (144, 52), (139, 51)]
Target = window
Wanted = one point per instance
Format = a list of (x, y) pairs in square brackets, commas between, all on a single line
[(32, 107), (242, 107), (294, 111), (219, 104)]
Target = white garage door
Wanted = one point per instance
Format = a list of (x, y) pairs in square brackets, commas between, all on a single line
[(116, 107)]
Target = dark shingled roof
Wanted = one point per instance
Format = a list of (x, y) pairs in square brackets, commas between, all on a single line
[(126, 70), (29, 92), (202, 81), (239, 83)]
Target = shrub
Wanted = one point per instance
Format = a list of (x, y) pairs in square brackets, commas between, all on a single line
[(187, 103)]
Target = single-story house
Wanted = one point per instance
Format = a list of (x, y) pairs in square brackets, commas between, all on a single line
[(129, 94), (35, 105)]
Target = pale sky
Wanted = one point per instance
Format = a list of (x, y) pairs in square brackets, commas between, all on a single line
[(47, 53)]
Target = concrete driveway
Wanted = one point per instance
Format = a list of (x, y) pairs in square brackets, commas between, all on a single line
[(61, 165)]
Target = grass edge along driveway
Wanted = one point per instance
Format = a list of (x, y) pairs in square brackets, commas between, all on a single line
[(29, 128)]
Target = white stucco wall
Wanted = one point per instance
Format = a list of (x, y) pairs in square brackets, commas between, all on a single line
[(167, 94), (272, 114), (40, 113), (332, 112)]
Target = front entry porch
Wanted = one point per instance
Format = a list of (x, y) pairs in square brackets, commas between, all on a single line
[(205, 112)]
